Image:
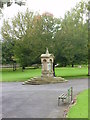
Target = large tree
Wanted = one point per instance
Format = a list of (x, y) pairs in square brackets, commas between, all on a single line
[(72, 37), (30, 34)]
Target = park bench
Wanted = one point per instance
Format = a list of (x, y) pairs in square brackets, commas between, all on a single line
[(68, 95)]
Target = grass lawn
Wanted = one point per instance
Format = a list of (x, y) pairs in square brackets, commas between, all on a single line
[(80, 109), (8, 75), (69, 72), (66, 72)]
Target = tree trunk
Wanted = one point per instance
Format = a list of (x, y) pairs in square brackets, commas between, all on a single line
[(23, 68), (72, 65), (89, 70), (14, 66)]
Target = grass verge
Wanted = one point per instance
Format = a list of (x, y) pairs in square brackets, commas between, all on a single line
[(80, 109)]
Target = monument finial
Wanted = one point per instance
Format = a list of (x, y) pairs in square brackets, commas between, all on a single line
[(47, 52)]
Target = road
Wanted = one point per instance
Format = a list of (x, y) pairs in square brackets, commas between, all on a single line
[(36, 101)]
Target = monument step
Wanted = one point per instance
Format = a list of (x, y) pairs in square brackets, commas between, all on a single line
[(29, 80)]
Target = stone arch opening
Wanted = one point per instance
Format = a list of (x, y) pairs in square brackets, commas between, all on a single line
[(50, 65), (44, 60), (45, 64)]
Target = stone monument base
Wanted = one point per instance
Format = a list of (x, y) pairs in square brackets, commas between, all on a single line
[(44, 80)]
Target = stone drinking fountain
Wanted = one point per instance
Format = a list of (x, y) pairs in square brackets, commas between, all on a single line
[(47, 73)]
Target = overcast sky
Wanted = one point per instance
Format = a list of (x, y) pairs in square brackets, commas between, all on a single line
[(56, 7)]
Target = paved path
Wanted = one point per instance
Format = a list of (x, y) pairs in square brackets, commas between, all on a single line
[(36, 101)]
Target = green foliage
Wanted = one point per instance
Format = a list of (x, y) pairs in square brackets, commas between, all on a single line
[(72, 37), (7, 56), (89, 39)]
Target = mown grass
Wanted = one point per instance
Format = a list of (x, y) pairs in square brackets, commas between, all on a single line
[(8, 75), (80, 109), (67, 72), (72, 72)]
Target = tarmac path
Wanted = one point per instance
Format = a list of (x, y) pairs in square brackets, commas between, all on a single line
[(36, 101)]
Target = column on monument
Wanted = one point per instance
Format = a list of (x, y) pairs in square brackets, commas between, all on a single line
[(44, 65)]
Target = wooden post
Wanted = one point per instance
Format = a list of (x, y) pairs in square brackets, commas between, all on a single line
[(71, 93), (68, 95)]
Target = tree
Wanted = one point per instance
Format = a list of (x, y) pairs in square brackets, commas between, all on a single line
[(7, 44), (30, 34), (38, 37), (88, 40), (14, 33), (72, 37)]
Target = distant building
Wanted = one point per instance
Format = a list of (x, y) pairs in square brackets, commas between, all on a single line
[(9, 2)]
